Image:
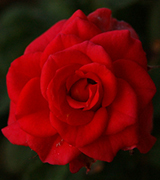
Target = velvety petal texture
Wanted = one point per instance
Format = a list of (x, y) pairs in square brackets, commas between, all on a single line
[(81, 92)]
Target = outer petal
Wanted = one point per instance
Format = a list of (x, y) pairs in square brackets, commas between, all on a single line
[(82, 135), (81, 161), (120, 25), (76, 14), (106, 147), (123, 110), (32, 111), (101, 18), (53, 150), (146, 140), (59, 43), (21, 71), (81, 28), (120, 45), (15, 134), (40, 43), (138, 78)]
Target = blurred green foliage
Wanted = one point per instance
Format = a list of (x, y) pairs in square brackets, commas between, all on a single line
[(20, 23)]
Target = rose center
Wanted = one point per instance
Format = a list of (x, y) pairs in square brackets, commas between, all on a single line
[(91, 81), (79, 90)]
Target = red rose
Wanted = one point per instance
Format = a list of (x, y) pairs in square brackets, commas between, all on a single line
[(81, 92)]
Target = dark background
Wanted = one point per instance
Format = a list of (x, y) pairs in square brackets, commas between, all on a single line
[(23, 20)]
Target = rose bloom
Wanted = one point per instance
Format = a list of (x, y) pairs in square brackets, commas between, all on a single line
[(81, 92)]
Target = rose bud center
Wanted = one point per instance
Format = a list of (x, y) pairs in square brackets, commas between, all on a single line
[(79, 90)]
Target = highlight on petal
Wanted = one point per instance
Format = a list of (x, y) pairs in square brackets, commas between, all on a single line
[(32, 111), (53, 150), (21, 71), (82, 135)]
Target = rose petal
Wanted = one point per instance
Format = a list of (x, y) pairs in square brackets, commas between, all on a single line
[(32, 111), (80, 28), (101, 18), (53, 150), (57, 94), (82, 135), (107, 78), (76, 14), (95, 52), (106, 147), (75, 104), (56, 91), (59, 43), (37, 124), (81, 161), (79, 90), (70, 56), (138, 78), (120, 45), (119, 25), (48, 72), (40, 43), (15, 135), (123, 110), (93, 96), (57, 61), (21, 71)]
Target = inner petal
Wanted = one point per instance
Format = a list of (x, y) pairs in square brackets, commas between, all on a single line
[(79, 90)]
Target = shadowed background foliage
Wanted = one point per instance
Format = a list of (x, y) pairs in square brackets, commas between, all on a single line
[(23, 20)]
